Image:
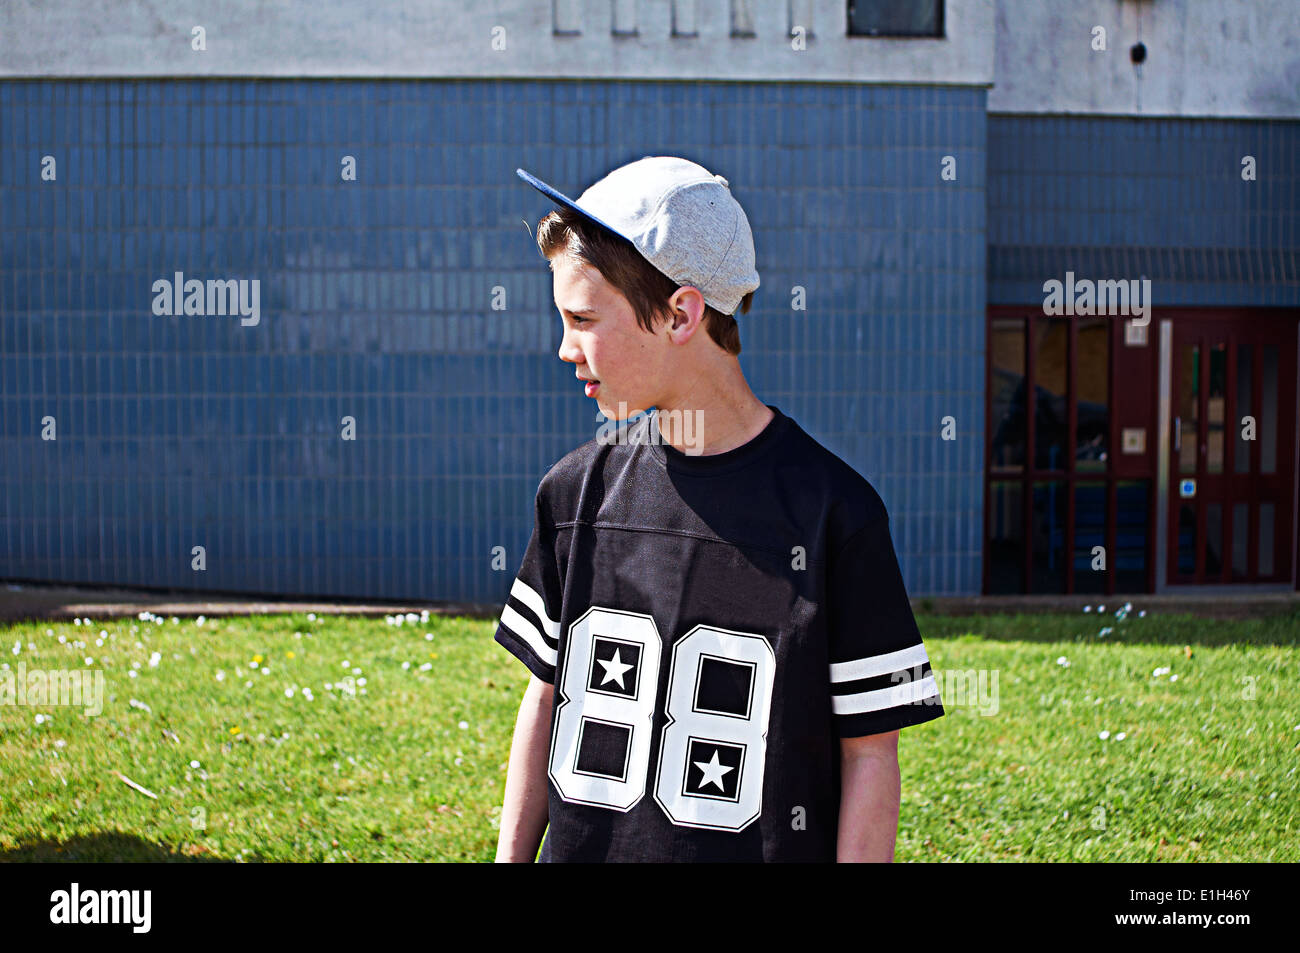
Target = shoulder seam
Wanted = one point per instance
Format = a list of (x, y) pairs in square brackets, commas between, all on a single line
[(870, 524)]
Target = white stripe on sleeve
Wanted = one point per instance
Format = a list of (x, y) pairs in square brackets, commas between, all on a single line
[(901, 694), (874, 665), (521, 627), (530, 597)]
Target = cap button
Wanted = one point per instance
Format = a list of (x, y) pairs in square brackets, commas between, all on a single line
[(723, 181)]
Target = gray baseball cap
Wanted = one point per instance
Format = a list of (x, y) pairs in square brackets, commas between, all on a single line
[(681, 218)]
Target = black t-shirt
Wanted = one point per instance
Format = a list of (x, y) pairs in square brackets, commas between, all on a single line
[(713, 625)]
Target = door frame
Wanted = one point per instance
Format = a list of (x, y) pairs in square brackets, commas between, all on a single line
[(1164, 451)]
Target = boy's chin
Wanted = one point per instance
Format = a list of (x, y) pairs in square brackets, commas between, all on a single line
[(618, 410)]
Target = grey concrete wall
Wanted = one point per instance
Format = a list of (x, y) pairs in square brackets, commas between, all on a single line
[(1204, 58), (640, 39)]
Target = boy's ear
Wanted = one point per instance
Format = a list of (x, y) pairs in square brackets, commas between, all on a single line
[(685, 302)]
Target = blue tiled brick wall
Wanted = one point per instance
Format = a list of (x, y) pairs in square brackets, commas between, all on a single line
[(1117, 198), (375, 303)]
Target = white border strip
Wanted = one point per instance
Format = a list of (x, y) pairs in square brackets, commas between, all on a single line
[(874, 665), (902, 694), (521, 627), (529, 597)]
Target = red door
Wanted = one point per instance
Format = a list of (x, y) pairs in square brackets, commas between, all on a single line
[(1232, 450)]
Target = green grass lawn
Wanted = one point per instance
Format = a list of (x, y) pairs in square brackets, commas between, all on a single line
[(401, 763)]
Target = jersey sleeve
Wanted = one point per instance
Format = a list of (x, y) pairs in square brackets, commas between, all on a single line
[(529, 628), (880, 677)]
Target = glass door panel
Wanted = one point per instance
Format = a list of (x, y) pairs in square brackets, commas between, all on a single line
[(1233, 436)]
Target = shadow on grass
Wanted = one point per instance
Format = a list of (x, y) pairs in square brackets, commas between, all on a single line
[(107, 847), (1156, 628)]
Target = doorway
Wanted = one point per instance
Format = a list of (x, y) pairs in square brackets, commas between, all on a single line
[(1231, 449)]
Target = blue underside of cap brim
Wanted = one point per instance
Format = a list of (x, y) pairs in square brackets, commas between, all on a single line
[(557, 196)]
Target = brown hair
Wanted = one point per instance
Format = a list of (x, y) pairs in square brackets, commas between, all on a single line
[(646, 289)]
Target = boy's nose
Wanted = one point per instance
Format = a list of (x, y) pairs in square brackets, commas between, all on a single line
[(569, 351)]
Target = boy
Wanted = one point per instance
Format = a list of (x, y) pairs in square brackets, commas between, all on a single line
[(721, 644)]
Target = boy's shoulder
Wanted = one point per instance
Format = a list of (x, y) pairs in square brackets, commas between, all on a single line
[(574, 468), (856, 501), (613, 444), (561, 487)]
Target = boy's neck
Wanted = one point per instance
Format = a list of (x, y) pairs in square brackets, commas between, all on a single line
[(724, 414)]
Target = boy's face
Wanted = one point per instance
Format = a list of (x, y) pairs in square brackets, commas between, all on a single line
[(604, 342)]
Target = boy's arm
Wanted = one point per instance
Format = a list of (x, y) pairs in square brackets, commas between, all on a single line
[(524, 813), (870, 790)]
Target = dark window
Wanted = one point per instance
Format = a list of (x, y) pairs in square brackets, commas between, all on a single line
[(1131, 536), (895, 17), (1050, 390), (1007, 394), (1053, 495), (1092, 377), (1048, 527), (1089, 533), (1006, 552)]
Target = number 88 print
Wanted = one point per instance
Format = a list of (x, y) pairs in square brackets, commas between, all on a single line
[(713, 747)]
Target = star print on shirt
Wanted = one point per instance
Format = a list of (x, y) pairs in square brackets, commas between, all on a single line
[(614, 669), (713, 771)]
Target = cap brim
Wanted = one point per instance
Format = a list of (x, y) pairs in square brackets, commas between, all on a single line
[(555, 195)]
